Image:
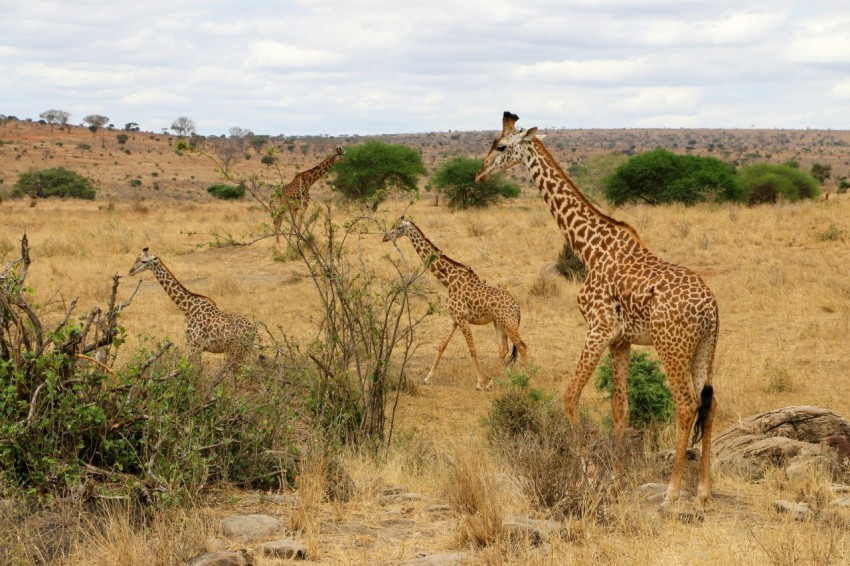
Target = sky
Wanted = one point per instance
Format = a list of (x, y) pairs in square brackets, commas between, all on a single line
[(308, 67)]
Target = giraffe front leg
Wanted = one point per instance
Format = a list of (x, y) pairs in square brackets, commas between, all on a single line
[(440, 349), (594, 345), (467, 333)]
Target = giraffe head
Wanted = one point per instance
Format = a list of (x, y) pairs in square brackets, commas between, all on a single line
[(401, 228), (506, 150), (146, 260)]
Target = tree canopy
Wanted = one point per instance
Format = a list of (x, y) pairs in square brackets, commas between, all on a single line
[(54, 117), (371, 170), (183, 126), (456, 179), (660, 176), (58, 182), (768, 182)]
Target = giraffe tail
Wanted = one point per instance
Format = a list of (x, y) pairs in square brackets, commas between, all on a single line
[(512, 357), (706, 398)]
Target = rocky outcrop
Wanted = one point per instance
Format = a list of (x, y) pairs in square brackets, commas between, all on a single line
[(793, 438)]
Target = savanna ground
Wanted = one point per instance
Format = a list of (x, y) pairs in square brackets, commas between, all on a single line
[(779, 274)]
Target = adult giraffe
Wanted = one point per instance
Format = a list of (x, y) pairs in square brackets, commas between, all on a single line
[(630, 296), (294, 197)]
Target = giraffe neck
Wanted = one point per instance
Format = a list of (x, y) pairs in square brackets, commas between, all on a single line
[(584, 226), (182, 297), (310, 176), (444, 268)]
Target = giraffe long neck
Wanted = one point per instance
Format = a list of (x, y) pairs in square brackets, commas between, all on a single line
[(182, 297), (584, 226), (310, 176), (440, 265)]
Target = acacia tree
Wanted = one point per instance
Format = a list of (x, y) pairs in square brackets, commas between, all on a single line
[(95, 122), (456, 180), (371, 170), (54, 117), (183, 126)]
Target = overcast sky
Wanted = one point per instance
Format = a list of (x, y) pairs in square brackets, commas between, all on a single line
[(391, 66)]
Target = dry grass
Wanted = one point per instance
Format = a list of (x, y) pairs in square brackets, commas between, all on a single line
[(779, 272)]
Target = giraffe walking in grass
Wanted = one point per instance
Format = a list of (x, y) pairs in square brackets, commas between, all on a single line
[(471, 301), (630, 296), (294, 197), (208, 328)]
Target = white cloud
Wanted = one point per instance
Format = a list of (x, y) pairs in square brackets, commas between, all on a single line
[(273, 54), (611, 71)]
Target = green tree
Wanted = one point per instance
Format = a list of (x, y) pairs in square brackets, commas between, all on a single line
[(768, 182), (371, 170), (131, 127), (456, 179), (227, 192), (58, 182), (821, 172), (659, 176), (650, 399)]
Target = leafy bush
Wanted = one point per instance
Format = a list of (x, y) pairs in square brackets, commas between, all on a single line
[(569, 264), (650, 399), (227, 192), (122, 138), (371, 170), (156, 431), (660, 176), (768, 182), (456, 180), (537, 444), (58, 182)]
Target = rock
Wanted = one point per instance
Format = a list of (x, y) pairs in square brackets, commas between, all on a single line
[(284, 549), (775, 438), (401, 498), (800, 511), (250, 527), (447, 559), (534, 530), (231, 558)]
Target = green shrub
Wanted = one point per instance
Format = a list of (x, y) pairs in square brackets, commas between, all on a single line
[(122, 138), (660, 176), (650, 399), (227, 192), (58, 182), (533, 436), (456, 180), (768, 182), (569, 264)]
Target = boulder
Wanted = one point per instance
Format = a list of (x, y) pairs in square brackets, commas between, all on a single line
[(790, 436)]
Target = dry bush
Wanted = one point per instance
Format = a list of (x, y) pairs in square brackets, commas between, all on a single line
[(473, 493)]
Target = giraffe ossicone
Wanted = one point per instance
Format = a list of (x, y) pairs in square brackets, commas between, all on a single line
[(293, 198), (208, 328), (470, 301), (630, 296)]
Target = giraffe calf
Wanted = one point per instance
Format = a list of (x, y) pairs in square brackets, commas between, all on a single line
[(208, 328)]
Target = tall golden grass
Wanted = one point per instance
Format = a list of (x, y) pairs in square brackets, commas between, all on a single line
[(780, 274)]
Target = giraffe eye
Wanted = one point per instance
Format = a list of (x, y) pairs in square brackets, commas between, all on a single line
[(501, 147)]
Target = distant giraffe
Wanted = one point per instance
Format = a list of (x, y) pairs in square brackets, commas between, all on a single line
[(629, 296), (294, 198), (208, 328), (471, 301)]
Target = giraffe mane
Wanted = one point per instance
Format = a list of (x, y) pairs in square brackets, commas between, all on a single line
[(554, 163), (439, 251), (165, 267)]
